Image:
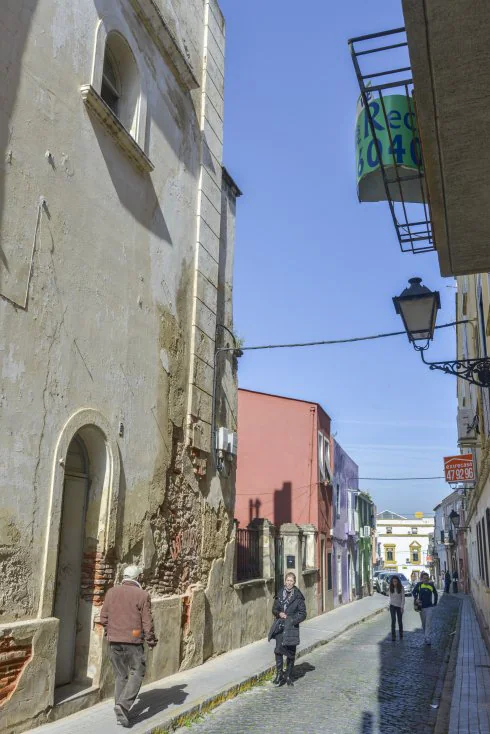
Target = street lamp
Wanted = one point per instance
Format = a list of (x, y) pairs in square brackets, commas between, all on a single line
[(456, 520), (418, 307)]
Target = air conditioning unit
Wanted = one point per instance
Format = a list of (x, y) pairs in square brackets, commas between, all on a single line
[(467, 427), (222, 439), (232, 443)]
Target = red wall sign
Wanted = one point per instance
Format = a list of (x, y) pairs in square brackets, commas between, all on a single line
[(459, 468)]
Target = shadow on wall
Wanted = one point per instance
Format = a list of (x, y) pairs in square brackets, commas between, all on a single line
[(121, 502), (254, 509), (283, 505), (13, 45), (140, 200)]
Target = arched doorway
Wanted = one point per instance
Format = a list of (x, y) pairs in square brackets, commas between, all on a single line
[(80, 542), (70, 555)]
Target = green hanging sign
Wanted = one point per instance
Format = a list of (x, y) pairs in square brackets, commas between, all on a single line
[(398, 146)]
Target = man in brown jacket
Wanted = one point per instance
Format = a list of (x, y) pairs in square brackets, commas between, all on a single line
[(127, 620)]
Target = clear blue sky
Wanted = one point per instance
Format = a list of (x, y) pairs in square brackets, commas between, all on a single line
[(312, 263)]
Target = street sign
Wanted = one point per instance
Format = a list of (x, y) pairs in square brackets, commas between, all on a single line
[(459, 468)]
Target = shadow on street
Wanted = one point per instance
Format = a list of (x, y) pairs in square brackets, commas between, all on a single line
[(409, 671), (156, 700)]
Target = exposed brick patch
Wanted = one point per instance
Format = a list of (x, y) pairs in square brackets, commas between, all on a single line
[(13, 659), (97, 577), (199, 463)]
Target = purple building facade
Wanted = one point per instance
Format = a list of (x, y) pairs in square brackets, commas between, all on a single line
[(344, 547)]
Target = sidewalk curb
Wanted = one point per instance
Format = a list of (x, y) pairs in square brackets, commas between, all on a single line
[(228, 692), (445, 684)]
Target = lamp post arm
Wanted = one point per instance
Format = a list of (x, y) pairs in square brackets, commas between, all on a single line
[(475, 371)]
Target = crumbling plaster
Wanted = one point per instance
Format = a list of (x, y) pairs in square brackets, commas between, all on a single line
[(117, 331), (111, 248)]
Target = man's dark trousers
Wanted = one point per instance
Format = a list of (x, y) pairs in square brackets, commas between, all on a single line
[(129, 666)]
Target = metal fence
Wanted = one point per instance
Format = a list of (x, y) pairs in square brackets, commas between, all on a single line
[(278, 563), (248, 554)]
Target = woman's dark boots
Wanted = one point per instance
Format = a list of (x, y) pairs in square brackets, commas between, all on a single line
[(279, 673), (289, 672)]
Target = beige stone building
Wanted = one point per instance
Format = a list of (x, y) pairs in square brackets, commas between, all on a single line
[(473, 305), (444, 76), (116, 259), (449, 53)]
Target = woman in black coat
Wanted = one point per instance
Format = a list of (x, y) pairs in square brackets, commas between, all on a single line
[(289, 610)]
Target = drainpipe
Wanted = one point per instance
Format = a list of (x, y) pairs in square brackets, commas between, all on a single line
[(313, 436)]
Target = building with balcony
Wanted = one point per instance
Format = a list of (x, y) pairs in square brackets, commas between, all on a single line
[(448, 46), (437, 185), (403, 542), (448, 546), (473, 423)]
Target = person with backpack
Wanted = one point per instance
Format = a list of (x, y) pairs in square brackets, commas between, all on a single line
[(425, 595), (396, 606), (289, 610)]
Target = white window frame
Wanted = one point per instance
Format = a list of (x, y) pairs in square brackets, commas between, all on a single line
[(321, 462), (115, 22)]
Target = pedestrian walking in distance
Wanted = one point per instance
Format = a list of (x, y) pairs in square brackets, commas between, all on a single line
[(397, 606), (425, 595), (447, 582), (127, 620), (289, 609), (455, 582)]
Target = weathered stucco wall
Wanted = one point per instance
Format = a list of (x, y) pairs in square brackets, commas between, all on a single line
[(107, 303)]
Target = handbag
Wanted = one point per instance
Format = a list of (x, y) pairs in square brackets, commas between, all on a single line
[(417, 605), (277, 628)]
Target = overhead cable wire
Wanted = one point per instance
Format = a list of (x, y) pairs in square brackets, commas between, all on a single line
[(396, 479), (331, 341)]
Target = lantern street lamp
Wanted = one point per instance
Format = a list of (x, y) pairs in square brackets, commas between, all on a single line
[(418, 307), (456, 520)]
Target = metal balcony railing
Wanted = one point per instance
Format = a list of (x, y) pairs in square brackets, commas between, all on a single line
[(382, 65)]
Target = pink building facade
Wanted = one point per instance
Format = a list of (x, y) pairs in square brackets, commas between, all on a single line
[(284, 472)]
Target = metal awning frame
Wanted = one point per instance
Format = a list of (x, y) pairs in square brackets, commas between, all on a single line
[(412, 222)]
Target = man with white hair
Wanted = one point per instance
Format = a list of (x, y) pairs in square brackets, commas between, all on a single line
[(127, 621)]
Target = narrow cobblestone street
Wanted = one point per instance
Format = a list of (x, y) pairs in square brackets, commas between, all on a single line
[(360, 683)]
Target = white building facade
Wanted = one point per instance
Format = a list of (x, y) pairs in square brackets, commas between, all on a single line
[(403, 543)]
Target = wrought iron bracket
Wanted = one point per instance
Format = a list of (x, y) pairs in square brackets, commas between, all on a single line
[(476, 371)]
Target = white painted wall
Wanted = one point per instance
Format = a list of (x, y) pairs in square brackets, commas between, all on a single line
[(402, 536)]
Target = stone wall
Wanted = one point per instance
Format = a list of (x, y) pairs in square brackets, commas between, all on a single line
[(109, 304)]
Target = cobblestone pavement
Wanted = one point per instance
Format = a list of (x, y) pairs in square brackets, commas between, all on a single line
[(361, 683)]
